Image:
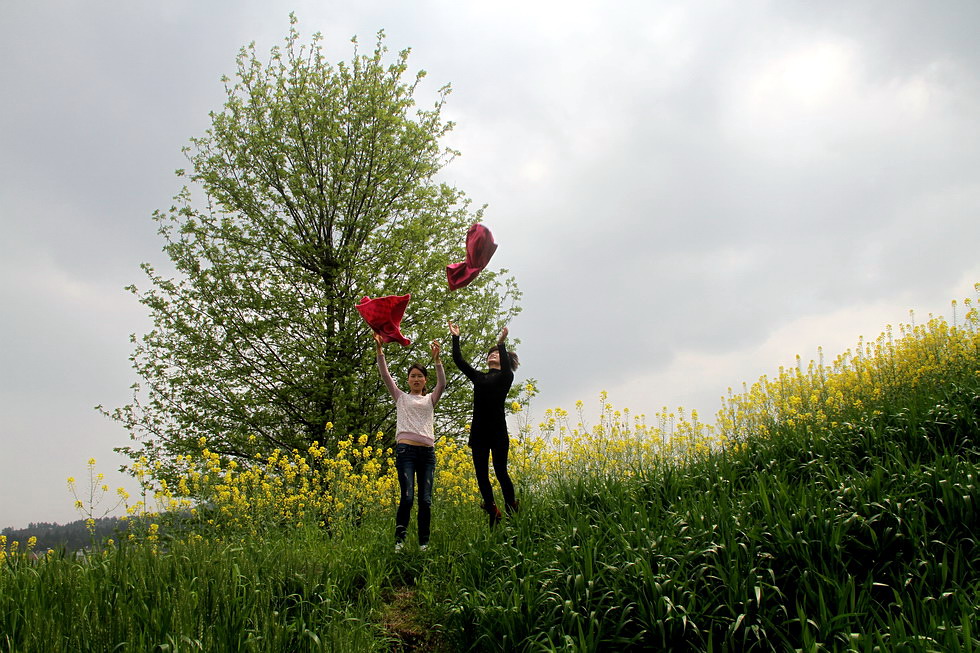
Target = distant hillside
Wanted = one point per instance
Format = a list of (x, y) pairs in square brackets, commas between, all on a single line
[(72, 536)]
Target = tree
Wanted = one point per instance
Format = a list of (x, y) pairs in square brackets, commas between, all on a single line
[(316, 185)]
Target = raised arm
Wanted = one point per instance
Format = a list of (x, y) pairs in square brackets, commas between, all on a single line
[(461, 363), (505, 362), (440, 373), (383, 368)]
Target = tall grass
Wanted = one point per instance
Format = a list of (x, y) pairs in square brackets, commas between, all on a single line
[(842, 515), (304, 588), (829, 508), (278, 594), (861, 540)]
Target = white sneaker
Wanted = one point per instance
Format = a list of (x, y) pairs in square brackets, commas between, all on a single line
[(399, 546), (423, 547)]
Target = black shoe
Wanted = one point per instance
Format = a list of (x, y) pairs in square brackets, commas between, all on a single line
[(494, 513)]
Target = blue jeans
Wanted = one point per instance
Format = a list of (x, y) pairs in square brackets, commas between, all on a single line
[(413, 462)]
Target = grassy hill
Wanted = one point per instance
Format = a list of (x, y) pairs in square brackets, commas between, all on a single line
[(829, 508)]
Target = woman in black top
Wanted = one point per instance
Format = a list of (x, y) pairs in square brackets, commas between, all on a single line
[(488, 431)]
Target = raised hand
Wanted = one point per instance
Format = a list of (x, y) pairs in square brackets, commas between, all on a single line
[(503, 335), (453, 329)]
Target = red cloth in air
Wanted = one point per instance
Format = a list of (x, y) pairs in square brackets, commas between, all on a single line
[(384, 316), (479, 248)]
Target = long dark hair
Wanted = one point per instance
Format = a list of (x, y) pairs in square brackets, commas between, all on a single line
[(421, 368), (515, 361)]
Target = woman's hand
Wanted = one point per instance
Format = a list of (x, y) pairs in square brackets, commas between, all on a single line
[(453, 329), (503, 335), (378, 342), (436, 348)]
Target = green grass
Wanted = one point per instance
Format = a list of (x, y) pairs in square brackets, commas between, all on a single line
[(861, 538), (280, 594), (853, 534)]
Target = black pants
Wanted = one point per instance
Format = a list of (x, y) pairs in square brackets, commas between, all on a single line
[(481, 464)]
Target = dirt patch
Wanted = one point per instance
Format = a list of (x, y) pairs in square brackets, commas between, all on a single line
[(403, 623)]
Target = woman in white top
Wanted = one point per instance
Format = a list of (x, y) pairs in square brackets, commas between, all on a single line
[(415, 454)]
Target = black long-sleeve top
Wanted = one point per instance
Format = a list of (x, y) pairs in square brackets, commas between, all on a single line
[(490, 388)]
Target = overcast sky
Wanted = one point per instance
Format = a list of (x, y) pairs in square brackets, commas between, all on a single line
[(689, 193)]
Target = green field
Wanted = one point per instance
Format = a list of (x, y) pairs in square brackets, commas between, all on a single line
[(831, 507)]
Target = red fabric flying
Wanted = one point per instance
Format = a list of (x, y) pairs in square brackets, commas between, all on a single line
[(384, 316), (479, 248)]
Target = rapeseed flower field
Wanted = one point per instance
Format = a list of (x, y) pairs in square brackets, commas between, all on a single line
[(830, 506)]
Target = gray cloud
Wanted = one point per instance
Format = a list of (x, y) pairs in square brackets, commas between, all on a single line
[(668, 184)]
